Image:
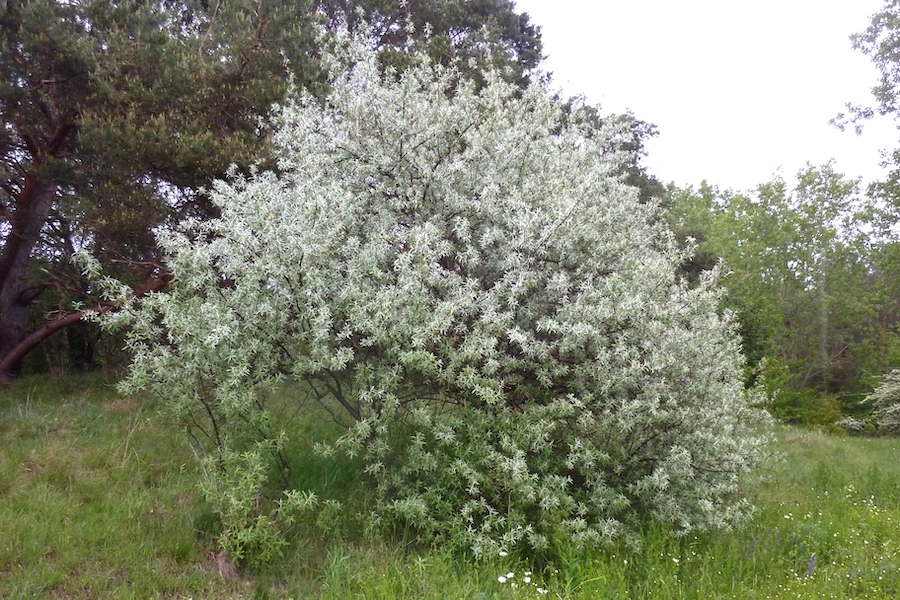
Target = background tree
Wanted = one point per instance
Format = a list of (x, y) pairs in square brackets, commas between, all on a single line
[(806, 281), (114, 114), (630, 141), (462, 273), (471, 34), (880, 42)]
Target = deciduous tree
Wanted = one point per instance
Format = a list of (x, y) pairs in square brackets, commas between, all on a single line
[(116, 113), (880, 41), (806, 266), (462, 272)]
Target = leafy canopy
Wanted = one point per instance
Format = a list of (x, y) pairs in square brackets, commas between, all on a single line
[(460, 270), (809, 282)]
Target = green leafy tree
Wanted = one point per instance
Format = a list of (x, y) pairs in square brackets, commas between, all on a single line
[(461, 270), (880, 41), (804, 283)]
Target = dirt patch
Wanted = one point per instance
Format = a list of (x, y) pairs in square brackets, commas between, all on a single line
[(220, 563), (121, 406)]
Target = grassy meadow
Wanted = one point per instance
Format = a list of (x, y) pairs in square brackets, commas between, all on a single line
[(96, 501)]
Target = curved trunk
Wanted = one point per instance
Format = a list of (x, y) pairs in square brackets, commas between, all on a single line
[(12, 358), (31, 213)]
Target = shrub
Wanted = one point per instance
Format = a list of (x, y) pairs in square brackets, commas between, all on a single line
[(885, 402), (463, 271)]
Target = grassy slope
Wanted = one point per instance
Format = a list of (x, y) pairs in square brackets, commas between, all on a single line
[(96, 502)]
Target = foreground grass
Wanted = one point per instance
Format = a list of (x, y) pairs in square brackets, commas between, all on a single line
[(96, 498), (96, 501)]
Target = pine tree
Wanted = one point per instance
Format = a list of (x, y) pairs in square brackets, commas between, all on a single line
[(114, 114)]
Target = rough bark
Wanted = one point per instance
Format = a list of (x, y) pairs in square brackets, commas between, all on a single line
[(15, 301), (13, 357), (30, 209)]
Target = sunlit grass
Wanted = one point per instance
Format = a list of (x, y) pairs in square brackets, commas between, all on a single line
[(97, 501)]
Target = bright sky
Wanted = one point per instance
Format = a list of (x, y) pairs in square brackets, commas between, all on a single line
[(738, 90)]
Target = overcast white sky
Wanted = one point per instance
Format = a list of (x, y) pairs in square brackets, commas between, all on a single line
[(738, 90)]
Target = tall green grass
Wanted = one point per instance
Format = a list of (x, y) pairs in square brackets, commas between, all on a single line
[(97, 501), (96, 498)]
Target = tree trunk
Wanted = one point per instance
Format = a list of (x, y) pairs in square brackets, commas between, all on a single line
[(31, 213), (14, 356), (10, 360)]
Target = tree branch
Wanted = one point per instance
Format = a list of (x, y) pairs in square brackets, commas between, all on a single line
[(29, 343)]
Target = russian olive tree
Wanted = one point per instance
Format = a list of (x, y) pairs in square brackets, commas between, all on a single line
[(462, 272)]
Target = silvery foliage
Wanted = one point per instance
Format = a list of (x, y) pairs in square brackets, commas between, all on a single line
[(464, 272), (885, 401)]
